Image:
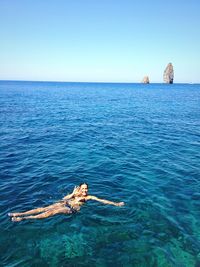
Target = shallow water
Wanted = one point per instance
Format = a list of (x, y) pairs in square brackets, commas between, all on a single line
[(131, 142)]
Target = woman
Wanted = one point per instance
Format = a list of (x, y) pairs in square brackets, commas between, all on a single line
[(69, 204)]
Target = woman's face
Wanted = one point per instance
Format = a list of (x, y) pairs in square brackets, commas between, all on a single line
[(84, 190)]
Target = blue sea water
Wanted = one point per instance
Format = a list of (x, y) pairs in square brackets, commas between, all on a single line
[(130, 142)]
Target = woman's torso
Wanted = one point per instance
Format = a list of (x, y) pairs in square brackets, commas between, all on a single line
[(76, 202)]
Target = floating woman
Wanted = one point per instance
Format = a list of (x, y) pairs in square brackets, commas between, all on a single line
[(69, 204)]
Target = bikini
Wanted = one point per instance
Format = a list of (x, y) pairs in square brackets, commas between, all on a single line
[(67, 205)]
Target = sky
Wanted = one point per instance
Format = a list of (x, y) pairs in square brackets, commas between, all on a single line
[(99, 40)]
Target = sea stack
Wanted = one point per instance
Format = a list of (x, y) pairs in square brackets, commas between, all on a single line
[(168, 75), (145, 79)]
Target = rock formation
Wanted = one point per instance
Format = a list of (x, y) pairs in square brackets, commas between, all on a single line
[(168, 75), (145, 79)]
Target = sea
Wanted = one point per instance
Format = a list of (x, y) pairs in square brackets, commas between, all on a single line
[(136, 143)]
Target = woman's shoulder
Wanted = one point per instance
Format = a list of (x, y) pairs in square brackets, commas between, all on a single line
[(89, 197)]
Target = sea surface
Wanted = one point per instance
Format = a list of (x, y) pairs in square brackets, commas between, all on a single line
[(130, 142)]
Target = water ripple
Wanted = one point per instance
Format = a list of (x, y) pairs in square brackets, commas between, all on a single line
[(130, 143)]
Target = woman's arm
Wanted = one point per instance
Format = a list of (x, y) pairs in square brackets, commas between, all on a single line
[(75, 191), (104, 201)]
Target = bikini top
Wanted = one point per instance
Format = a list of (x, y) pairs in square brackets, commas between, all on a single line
[(79, 199)]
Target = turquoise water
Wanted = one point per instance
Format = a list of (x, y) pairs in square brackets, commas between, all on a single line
[(131, 142)]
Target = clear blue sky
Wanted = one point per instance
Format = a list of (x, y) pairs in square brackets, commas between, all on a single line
[(99, 40)]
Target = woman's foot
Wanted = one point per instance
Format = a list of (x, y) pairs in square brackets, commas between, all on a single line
[(16, 219), (13, 214)]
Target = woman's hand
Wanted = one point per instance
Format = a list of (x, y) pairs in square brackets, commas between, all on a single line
[(74, 193), (119, 204), (76, 190)]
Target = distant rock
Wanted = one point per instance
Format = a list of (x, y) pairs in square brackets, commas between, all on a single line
[(145, 79), (168, 75)]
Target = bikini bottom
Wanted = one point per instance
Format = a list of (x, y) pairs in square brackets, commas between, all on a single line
[(72, 210)]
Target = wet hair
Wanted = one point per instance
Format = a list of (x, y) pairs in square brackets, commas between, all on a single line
[(83, 184)]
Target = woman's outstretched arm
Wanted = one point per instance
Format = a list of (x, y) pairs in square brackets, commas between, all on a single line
[(104, 201)]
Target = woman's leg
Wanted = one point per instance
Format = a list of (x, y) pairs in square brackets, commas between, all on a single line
[(46, 214), (34, 211)]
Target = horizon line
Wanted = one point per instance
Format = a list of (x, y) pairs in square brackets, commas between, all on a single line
[(54, 81)]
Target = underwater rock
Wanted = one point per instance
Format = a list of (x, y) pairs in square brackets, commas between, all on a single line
[(75, 246), (54, 248), (173, 254), (162, 259), (168, 75), (180, 255), (50, 251), (145, 79)]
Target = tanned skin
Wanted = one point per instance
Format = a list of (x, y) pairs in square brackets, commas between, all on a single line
[(69, 204)]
